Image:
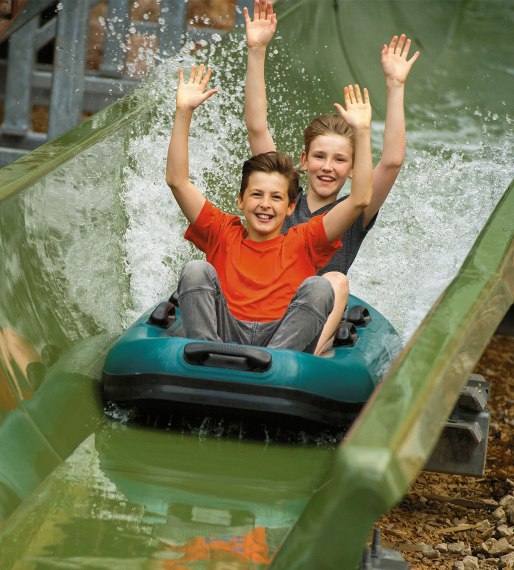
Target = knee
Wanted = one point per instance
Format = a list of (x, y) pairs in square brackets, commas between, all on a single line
[(339, 282), (317, 292), (197, 273)]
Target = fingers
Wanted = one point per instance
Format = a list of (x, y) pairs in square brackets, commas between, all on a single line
[(206, 78), (392, 43), (209, 93), (199, 75), (262, 13), (414, 57), (262, 10), (353, 95), (339, 108), (400, 46)]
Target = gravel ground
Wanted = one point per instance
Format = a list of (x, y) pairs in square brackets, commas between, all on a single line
[(465, 523)]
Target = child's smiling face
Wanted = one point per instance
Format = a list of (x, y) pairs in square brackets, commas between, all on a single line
[(328, 165), (265, 205)]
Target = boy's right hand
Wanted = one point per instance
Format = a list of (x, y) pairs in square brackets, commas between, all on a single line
[(358, 108), (192, 94), (259, 33)]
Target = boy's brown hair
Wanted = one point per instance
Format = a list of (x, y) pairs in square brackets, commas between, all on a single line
[(272, 162), (326, 125)]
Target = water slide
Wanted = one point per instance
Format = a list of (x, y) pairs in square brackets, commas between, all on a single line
[(90, 238)]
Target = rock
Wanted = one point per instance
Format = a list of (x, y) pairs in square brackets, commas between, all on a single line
[(507, 500), (458, 548), (458, 566), (499, 514), (507, 561), (484, 525), (421, 547), (497, 548), (442, 547), (504, 531), (470, 563), (431, 554)]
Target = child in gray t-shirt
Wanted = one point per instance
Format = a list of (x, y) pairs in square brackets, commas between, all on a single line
[(327, 158)]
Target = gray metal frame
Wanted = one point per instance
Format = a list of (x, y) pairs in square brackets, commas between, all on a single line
[(66, 87), (462, 447)]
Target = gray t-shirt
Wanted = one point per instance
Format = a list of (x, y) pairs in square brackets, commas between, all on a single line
[(352, 239)]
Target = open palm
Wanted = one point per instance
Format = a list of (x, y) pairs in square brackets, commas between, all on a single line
[(193, 93), (358, 109), (394, 60), (259, 32)]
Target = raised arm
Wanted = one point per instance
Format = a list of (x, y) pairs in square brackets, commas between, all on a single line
[(358, 116), (189, 96), (396, 66), (259, 33)]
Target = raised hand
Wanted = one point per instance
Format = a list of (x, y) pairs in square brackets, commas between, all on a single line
[(358, 109), (259, 32), (394, 60), (192, 94)]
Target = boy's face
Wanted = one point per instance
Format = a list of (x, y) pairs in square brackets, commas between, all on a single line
[(265, 205), (328, 165)]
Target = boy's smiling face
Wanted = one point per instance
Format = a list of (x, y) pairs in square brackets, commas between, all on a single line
[(328, 165), (265, 205)]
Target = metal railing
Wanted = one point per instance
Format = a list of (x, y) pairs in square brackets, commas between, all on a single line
[(65, 86)]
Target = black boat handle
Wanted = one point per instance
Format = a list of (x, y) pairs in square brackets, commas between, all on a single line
[(220, 355)]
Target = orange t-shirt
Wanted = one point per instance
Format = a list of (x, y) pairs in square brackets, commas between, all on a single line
[(259, 279), (250, 547)]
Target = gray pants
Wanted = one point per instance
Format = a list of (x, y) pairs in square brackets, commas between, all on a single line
[(205, 314)]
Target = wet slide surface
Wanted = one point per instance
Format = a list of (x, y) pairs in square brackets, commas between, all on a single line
[(89, 240)]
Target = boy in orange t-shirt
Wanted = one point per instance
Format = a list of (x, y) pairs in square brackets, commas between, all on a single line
[(259, 287)]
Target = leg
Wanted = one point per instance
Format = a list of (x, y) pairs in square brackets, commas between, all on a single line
[(203, 307), (197, 291), (300, 327), (339, 283)]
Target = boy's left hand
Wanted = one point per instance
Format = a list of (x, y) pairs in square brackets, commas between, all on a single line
[(394, 60), (358, 108)]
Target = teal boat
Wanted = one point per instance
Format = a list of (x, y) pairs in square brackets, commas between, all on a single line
[(153, 366)]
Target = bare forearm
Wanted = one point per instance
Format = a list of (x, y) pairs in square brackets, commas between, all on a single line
[(256, 111), (394, 131), (362, 179), (177, 165)]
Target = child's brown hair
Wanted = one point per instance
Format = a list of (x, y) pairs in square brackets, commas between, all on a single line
[(272, 162), (326, 125)]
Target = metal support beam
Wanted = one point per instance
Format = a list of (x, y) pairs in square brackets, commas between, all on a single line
[(375, 557), (46, 33), (462, 447), (98, 91), (116, 35), (17, 111), (69, 61), (31, 10), (171, 33)]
